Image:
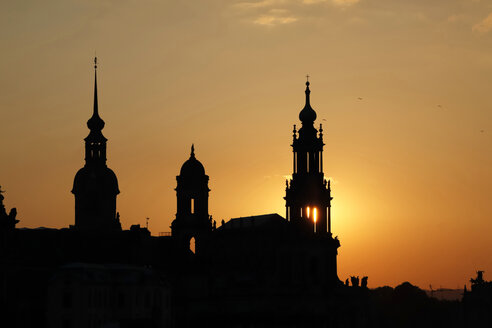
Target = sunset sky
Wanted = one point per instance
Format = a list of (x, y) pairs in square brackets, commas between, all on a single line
[(410, 162)]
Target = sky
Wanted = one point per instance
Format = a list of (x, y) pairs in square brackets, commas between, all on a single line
[(410, 162)]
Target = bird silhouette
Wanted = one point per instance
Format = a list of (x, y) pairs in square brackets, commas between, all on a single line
[(360, 98)]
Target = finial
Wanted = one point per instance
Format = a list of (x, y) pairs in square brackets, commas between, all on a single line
[(96, 111), (192, 150), (307, 115), (307, 92), (95, 122)]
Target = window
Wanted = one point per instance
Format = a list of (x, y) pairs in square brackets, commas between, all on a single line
[(192, 209), (192, 244)]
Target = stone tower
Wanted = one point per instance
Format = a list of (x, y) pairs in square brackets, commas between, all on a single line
[(308, 194), (192, 218), (95, 186)]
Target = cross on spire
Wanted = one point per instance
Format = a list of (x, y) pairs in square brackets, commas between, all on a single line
[(307, 78)]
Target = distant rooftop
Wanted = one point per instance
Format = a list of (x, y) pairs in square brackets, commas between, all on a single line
[(252, 221)]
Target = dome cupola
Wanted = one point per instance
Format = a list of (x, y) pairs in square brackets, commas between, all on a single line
[(307, 114), (192, 167)]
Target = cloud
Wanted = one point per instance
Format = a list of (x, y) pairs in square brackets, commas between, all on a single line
[(344, 3), (280, 12), (484, 26), (259, 4), (456, 18), (275, 17), (270, 20), (340, 3)]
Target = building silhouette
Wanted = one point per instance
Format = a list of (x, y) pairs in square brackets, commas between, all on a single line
[(255, 271), (246, 270), (308, 194), (192, 219), (95, 186)]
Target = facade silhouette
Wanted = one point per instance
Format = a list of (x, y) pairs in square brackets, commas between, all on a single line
[(308, 193), (255, 271), (192, 219), (95, 186)]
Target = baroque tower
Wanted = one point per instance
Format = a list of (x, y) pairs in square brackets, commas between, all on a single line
[(95, 186), (308, 194), (192, 218)]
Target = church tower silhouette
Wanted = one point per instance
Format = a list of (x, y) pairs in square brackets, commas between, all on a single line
[(192, 218), (95, 186), (308, 194)]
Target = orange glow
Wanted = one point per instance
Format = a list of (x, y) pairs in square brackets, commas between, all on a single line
[(315, 214), (409, 167), (308, 211)]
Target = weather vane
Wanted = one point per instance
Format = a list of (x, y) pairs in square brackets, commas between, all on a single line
[(307, 77)]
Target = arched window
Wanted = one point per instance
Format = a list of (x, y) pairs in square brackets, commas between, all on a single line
[(192, 244)]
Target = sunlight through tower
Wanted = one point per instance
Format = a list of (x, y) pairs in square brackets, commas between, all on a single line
[(308, 192)]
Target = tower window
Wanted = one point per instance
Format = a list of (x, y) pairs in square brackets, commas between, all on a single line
[(192, 244), (307, 162), (192, 208)]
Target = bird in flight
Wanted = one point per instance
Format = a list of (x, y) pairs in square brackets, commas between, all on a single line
[(360, 98)]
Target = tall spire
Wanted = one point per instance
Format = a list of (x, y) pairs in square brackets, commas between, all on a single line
[(192, 150), (95, 88), (307, 114), (95, 123)]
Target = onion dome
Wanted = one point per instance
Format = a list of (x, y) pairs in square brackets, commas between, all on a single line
[(95, 123), (99, 180), (307, 114), (192, 167)]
